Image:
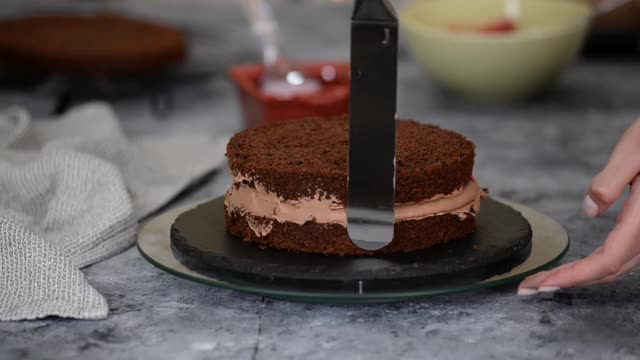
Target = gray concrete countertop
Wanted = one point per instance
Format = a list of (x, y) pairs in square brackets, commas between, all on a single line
[(542, 154)]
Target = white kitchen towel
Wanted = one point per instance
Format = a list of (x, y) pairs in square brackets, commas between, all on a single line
[(72, 190)]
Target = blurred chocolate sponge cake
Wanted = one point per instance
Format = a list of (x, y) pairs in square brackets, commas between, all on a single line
[(102, 43), (290, 187)]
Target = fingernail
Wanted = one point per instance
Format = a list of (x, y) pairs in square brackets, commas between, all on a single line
[(548, 289), (590, 207), (527, 292)]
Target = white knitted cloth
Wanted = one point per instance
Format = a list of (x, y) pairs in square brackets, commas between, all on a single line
[(71, 193)]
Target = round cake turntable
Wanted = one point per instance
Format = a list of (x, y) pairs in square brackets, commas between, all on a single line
[(511, 242)]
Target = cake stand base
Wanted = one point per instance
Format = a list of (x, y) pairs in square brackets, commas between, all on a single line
[(512, 241)]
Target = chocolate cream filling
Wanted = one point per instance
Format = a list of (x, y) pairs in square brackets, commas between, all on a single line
[(250, 197)]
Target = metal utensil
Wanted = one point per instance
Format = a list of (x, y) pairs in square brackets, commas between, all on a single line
[(372, 124), (280, 79)]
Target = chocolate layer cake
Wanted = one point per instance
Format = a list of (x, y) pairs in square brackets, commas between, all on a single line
[(100, 43), (290, 186)]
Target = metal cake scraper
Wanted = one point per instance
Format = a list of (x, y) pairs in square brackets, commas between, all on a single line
[(372, 124)]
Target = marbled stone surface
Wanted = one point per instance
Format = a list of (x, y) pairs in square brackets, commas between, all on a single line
[(542, 154)]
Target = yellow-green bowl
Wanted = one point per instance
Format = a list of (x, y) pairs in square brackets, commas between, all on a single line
[(495, 67)]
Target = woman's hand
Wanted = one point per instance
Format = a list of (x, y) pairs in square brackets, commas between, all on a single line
[(621, 250)]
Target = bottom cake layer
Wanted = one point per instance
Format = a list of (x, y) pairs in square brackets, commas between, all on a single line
[(332, 239)]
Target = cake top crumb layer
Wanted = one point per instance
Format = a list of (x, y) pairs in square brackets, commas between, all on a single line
[(302, 158)]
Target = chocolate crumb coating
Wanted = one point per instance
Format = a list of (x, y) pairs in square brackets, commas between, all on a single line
[(298, 159)]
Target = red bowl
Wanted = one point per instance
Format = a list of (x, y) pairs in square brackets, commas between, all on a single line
[(259, 109)]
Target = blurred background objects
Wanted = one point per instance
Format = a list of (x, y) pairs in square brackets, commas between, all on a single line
[(218, 35), (616, 33), (541, 152)]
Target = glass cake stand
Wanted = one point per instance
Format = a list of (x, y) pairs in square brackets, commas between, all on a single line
[(549, 242)]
